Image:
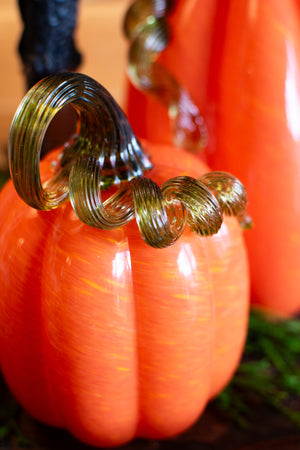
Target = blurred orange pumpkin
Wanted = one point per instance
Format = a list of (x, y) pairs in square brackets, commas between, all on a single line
[(240, 63), (107, 337)]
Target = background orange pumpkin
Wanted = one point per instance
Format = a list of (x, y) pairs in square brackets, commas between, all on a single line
[(108, 337), (256, 131), (240, 63)]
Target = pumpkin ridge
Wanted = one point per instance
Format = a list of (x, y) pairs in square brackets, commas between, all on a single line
[(28, 333), (52, 377), (131, 245), (161, 388), (95, 355)]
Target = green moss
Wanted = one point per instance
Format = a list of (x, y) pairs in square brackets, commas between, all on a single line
[(269, 373)]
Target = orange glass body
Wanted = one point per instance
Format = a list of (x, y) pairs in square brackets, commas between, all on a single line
[(107, 337), (240, 61)]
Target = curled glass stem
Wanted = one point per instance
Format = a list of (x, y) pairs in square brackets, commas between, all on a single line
[(146, 27), (161, 213), (230, 194), (102, 131), (104, 151)]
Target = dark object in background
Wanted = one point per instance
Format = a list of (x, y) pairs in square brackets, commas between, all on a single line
[(47, 46), (47, 43)]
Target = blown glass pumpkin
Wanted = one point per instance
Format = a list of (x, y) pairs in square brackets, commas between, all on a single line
[(238, 62), (101, 333), (257, 105)]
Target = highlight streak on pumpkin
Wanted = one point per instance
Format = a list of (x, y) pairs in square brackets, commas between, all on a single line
[(164, 368), (106, 152)]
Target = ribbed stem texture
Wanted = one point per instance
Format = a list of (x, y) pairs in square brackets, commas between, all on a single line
[(104, 151)]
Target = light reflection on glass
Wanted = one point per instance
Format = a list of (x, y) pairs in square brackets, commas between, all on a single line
[(292, 93), (120, 263), (186, 261)]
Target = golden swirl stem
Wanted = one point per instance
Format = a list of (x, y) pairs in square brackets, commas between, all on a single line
[(161, 213), (103, 131), (85, 197), (146, 27), (230, 194), (105, 151)]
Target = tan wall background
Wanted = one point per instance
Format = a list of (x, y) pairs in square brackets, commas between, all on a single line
[(98, 36)]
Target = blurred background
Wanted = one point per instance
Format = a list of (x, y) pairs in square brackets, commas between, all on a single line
[(98, 37)]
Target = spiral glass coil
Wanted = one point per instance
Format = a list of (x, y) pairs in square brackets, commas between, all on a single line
[(146, 28), (102, 131), (104, 151)]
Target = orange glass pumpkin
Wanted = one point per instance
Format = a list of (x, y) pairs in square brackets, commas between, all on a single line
[(244, 76), (257, 137), (110, 338)]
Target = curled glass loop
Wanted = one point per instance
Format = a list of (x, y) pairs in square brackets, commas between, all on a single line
[(103, 131), (161, 212), (147, 29), (85, 197), (144, 11), (104, 152), (151, 215), (204, 214), (230, 194)]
